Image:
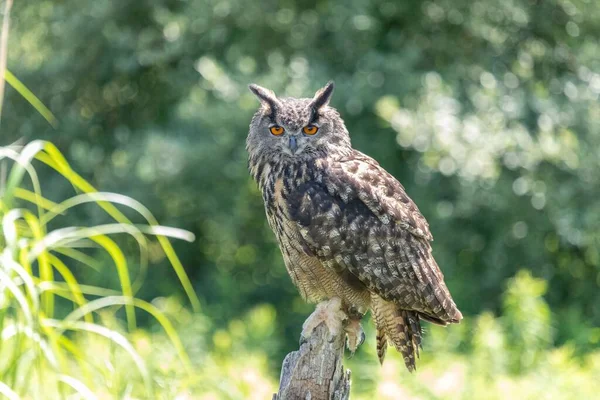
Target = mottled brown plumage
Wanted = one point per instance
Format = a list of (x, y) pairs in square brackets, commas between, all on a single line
[(345, 226)]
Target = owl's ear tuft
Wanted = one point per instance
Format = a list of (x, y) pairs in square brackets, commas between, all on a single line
[(267, 97), (323, 96)]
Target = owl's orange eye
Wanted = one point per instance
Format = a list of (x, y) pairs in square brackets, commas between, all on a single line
[(310, 129), (276, 130)]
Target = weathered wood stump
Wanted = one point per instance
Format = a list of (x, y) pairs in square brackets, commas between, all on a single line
[(315, 371)]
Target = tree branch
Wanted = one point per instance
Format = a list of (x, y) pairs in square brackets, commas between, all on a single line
[(315, 371)]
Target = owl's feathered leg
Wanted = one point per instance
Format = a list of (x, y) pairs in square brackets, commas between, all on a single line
[(401, 327), (330, 313), (381, 344)]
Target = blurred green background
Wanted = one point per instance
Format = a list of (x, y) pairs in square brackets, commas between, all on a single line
[(486, 111)]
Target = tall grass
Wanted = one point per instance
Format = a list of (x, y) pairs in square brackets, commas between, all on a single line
[(43, 354), (38, 351)]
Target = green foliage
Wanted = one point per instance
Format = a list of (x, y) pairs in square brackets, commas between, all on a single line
[(42, 301), (528, 320), (490, 346)]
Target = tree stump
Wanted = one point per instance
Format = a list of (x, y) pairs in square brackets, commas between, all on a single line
[(315, 371)]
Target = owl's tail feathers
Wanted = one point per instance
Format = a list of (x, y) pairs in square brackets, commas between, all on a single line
[(401, 327)]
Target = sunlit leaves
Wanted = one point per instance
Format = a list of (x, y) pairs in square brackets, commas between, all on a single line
[(528, 320)]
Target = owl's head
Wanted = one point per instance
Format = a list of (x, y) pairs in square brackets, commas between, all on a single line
[(296, 129)]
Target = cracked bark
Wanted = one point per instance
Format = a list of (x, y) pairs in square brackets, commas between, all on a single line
[(315, 371)]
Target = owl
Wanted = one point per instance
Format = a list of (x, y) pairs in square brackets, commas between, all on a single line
[(351, 238)]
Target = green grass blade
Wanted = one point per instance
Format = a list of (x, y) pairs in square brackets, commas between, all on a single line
[(24, 306), (8, 392), (79, 256), (122, 270), (79, 356), (53, 158), (95, 197), (16, 330), (31, 98), (9, 228), (43, 259), (113, 336), (79, 387), (22, 165), (105, 302), (61, 287), (34, 198), (72, 283), (25, 277)]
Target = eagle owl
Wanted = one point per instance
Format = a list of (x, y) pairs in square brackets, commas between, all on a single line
[(351, 238)]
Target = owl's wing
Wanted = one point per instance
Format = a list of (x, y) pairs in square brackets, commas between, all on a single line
[(362, 177), (357, 217)]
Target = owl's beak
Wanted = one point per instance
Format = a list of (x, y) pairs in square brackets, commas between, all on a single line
[(293, 144)]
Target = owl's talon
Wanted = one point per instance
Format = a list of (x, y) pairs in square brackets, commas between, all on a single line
[(355, 336), (328, 312), (360, 342)]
